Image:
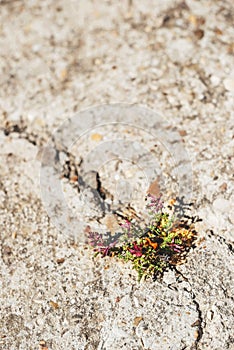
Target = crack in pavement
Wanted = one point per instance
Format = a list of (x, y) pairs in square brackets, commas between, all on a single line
[(200, 322), (69, 170), (22, 129), (221, 240)]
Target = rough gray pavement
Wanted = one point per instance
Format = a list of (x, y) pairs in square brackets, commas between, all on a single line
[(57, 59)]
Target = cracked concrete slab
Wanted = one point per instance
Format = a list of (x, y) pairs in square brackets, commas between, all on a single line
[(56, 60)]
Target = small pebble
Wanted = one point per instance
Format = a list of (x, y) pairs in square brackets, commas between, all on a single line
[(229, 84)]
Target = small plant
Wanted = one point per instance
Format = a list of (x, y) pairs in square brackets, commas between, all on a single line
[(162, 244)]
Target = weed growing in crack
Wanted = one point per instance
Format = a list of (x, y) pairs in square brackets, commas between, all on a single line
[(162, 244)]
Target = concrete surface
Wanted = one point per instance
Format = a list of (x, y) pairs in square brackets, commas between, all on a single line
[(57, 59)]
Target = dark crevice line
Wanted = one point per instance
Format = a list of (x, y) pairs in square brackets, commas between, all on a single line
[(200, 323), (222, 240), (99, 187), (23, 133)]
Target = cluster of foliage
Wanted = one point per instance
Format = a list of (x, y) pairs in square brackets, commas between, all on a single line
[(162, 244)]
